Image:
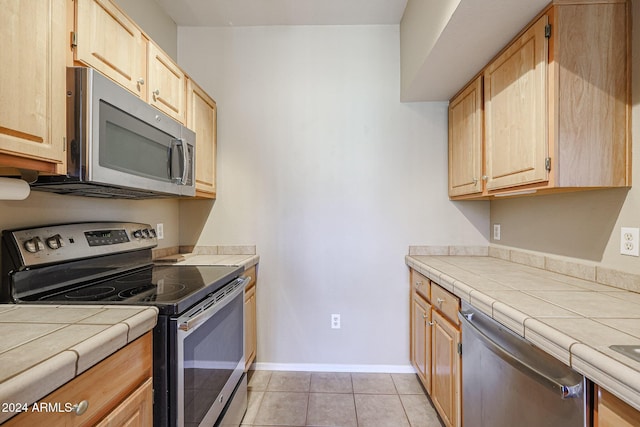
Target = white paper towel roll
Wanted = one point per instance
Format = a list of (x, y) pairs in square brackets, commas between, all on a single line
[(14, 189)]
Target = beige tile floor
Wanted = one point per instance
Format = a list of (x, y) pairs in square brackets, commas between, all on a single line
[(297, 399)]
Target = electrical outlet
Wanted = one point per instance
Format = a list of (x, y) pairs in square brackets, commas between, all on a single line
[(630, 241), (160, 231), (496, 231), (335, 321)]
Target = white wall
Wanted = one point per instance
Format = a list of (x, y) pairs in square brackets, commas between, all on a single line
[(322, 167), (45, 208)]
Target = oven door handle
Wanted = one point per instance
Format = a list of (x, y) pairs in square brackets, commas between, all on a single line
[(210, 306)]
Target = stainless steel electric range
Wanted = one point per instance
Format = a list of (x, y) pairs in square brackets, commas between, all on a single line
[(199, 338)]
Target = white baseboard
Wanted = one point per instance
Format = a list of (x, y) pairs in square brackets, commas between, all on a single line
[(319, 367)]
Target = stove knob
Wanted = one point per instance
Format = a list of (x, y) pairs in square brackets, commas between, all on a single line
[(137, 234), (34, 245), (152, 233), (55, 242), (145, 233)]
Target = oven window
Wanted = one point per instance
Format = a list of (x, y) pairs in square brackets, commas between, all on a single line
[(211, 355), (132, 146)]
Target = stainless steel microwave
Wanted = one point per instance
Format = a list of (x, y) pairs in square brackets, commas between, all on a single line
[(119, 146)]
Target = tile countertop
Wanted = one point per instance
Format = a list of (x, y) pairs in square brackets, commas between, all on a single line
[(245, 260), (573, 319), (44, 347)]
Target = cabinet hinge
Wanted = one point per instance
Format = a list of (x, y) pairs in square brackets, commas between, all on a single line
[(460, 348), (547, 31), (74, 39), (547, 164)]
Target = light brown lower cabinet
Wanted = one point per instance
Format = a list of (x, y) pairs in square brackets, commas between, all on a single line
[(117, 391), (446, 363), (609, 411), (135, 410), (421, 339), (435, 346), (250, 322)]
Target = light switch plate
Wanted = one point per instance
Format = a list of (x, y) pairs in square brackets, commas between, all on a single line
[(496, 231)]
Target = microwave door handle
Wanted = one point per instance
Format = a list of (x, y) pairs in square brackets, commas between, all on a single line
[(185, 162), (175, 143)]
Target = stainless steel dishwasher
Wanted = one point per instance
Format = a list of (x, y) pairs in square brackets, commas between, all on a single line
[(507, 381)]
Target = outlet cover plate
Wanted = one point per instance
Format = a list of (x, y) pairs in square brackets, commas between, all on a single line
[(630, 241)]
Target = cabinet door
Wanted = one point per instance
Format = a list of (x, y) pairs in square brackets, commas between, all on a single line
[(32, 83), (107, 40), (167, 86), (515, 112), (445, 393), (465, 141), (421, 339), (201, 118), (135, 411), (250, 326), (613, 412)]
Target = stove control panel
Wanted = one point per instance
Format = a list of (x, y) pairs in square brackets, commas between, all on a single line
[(68, 242)]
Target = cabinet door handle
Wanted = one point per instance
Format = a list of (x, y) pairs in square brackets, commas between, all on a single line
[(440, 300), (485, 178), (431, 323), (418, 284), (140, 81), (81, 408), (156, 92)]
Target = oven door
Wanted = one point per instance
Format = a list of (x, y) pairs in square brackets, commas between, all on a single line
[(210, 355)]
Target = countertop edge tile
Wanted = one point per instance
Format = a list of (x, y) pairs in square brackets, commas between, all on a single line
[(510, 317), (38, 381), (462, 291), (549, 339), (100, 346), (141, 323), (446, 282), (482, 302), (618, 378)]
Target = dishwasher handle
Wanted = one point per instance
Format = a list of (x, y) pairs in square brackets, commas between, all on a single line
[(547, 379)]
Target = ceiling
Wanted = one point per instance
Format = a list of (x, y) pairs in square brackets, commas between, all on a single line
[(468, 40), (221, 13)]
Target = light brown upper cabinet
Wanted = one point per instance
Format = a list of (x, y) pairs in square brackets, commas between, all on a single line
[(166, 85), (107, 40), (32, 111), (465, 140), (201, 118), (556, 106), (515, 112)]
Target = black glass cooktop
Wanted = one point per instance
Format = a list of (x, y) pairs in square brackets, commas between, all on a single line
[(173, 289)]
